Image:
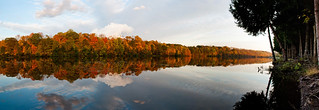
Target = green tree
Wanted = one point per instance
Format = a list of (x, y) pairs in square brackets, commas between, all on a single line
[(118, 46), (72, 35), (45, 47), (256, 16), (35, 39), (11, 46)]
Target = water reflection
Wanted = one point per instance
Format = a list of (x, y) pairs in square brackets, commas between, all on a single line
[(285, 93), (109, 71), (114, 80), (252, 101), (54, 102), (101, 84)]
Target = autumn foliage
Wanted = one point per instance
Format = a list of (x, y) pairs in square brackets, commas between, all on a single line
[(73, 69), (73, 44)]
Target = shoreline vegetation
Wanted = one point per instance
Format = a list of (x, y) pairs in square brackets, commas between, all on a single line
[(294, 27), (294, 87), (71, 44)]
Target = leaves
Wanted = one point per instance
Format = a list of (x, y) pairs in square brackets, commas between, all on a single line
[(253, 15), (72, 44)]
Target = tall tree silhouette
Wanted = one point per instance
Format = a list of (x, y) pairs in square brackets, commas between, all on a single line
[(255, 16)]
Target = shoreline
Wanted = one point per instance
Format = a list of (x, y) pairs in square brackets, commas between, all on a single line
[(305, 75)]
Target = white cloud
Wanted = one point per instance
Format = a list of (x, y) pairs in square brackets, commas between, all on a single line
[(110, 6), (52, 26), (114, 30), (139, 7), (114, 80), (52, 9), (22, 27)]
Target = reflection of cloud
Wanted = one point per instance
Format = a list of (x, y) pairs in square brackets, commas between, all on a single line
[(51, 85), (112, 103), (114, 80), (139, 101), (21, 85), (54, 101), (116, 104)]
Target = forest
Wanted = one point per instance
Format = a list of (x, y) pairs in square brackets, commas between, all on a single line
[(82, 45), (291, 22), (294, 27)]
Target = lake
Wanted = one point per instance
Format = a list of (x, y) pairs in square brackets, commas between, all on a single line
[(130, 83)]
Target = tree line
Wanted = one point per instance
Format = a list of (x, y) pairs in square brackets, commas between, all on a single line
[(73, 44)]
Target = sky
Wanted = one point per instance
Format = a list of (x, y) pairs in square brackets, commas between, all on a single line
[(186, 22)]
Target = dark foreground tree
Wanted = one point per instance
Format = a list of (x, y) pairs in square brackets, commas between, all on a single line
[(255, 16)]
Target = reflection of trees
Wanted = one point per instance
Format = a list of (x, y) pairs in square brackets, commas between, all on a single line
[(252, 101), (54, 101), (73, 69), (285, 94), (9, 68), (214, 61)]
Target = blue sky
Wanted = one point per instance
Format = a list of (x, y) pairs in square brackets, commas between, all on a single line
[(187, 22)]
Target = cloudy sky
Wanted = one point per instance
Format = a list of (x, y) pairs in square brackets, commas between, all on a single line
[(187, 22)]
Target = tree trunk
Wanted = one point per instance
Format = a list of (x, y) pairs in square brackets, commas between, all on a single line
[(316, 7), (300, 45), (306, 54), (271, 47), (293, 50), (310, 44), (287, 48), (314, 42), (280, 44), (314, 53)]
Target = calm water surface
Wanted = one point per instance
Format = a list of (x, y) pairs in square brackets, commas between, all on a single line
[(170, 83)]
